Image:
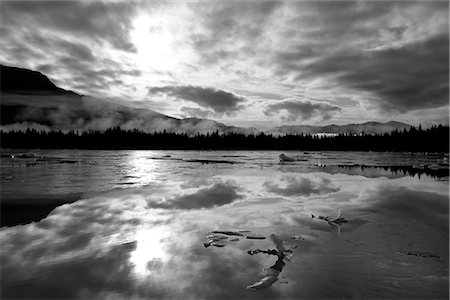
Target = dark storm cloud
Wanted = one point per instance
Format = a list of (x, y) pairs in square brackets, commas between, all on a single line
[(226, 23), (301, 186), (221, 102), (302, 110), (94, 78), (219, 194), (404, 79), (63, 39), (404, 67), (76, 50), (94, 20)]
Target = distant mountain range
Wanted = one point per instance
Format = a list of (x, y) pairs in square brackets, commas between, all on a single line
[(368, 128), (30, 100)]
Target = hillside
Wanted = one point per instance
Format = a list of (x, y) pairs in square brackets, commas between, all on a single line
[(30, 100), (23, 81)]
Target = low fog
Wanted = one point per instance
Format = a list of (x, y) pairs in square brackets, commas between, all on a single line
[(68, 112)]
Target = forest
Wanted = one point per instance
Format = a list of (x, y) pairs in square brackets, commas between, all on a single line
[(434, 139)]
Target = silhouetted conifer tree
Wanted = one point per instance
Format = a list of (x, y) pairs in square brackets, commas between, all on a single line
[(434, 139)]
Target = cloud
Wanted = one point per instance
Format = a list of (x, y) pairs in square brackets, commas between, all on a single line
[(75, 113), (219, 194), (196, 112), (391, 58), (394, 76), (230, 29), (393, 55), (72, 42), (301, 186), (302, 110), (402, 202), (221, 102), (78, 51), (99, 22)]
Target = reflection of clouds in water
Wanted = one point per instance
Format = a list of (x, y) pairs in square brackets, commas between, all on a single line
[(219, 194), (96, 247), (320, 225), (86, 277), (71, 254), (401, 202), (71, 229), (218, 272), (150, 252), (195, 183), (290, 185), (117, 245), (78, 252)]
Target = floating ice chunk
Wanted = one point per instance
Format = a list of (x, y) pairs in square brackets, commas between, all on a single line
[(420, 253), (268, 277), (217, 237), (26, 155), (253, 237), (297, 238), (228, 232), (335, 222), (213, 243), (239, 233), (284, 158), (338, 219)]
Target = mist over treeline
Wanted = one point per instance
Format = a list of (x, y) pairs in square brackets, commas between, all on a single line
[(434, 139)]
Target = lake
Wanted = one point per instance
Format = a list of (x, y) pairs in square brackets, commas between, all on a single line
[(223, 224)]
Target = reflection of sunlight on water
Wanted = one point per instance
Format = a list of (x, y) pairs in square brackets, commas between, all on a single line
[(150, 250), (142, 168)]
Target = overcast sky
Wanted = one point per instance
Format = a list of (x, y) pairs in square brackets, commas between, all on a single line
[(244, 63)]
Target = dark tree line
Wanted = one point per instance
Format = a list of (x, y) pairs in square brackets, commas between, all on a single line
[(434, 139)]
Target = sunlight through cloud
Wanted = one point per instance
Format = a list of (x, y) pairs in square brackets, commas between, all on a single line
[(151, 252)]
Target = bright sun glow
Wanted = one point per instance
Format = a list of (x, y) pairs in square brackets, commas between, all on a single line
[(150, 250), (141, 170), (154, 43)]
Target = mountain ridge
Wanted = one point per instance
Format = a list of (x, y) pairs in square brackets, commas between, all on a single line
[(370, 127), (25, 81), (30, 97)]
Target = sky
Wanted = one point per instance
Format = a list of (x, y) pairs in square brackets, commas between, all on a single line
[(243, 63)]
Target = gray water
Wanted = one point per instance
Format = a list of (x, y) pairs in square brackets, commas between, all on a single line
[(131, 224)]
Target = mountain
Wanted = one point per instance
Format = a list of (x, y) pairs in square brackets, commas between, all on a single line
[(368, 128), (25, 91), (30, 100), (23, 81)]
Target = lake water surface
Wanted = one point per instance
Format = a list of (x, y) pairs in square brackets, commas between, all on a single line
[(137, 224)]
